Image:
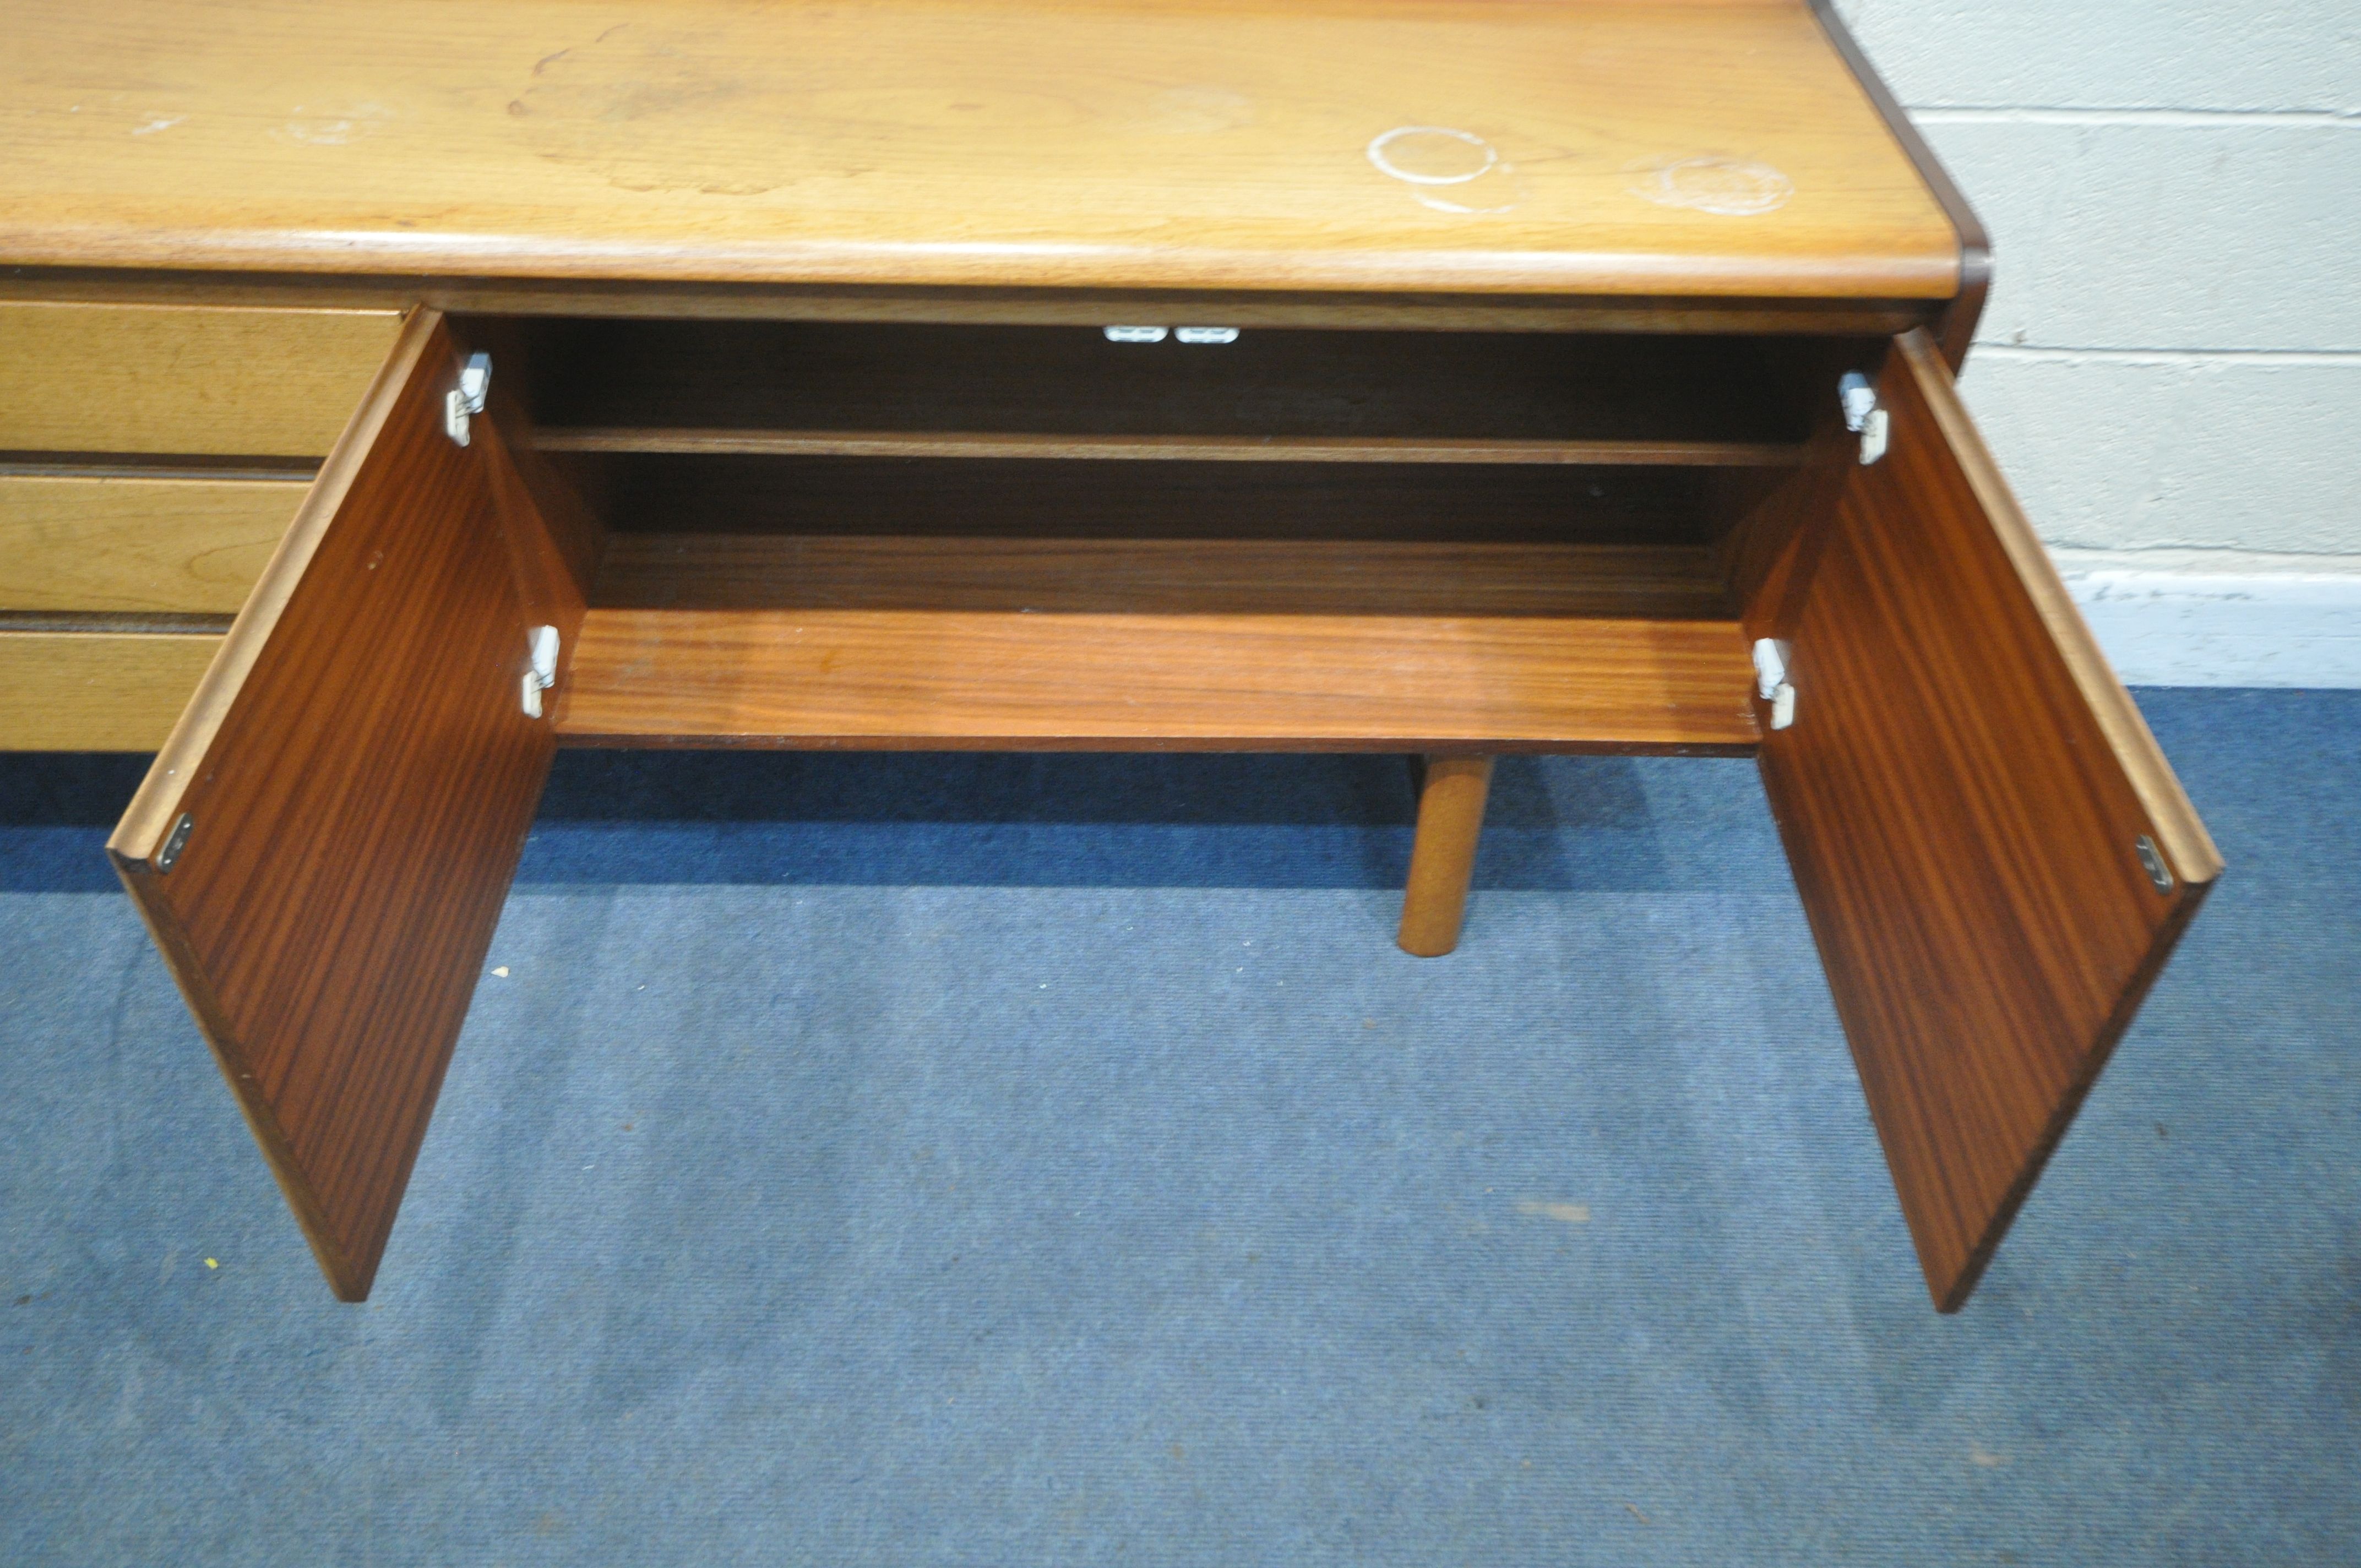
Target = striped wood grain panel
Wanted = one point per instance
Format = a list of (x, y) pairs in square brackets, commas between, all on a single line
[(1960, 797), (1157, 643), (969, 680), (359, 778)]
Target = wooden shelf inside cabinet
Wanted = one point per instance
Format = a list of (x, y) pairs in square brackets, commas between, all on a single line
[(1157, 644)]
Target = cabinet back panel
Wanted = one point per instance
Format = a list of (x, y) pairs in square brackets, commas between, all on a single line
[(1049, 498), (782, 376)]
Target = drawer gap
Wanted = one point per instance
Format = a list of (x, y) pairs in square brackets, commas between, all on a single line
[(157, 465)]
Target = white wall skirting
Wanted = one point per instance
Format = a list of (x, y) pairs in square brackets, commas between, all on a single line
[(2189, 628)]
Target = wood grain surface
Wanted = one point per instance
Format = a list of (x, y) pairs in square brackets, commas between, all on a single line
[(1112, 639), (1775, 520), (677, 299), (1697, 147), (127, 541), (359, 778), (1009, 680), (1961, 796), (96, 691), (175, 379), (1450, 791)]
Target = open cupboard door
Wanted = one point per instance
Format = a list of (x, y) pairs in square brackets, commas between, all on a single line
[(1995, 858), (323, 847)]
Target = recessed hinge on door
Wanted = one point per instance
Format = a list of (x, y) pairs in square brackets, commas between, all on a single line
[(177, 839), (467, 397), (1863, 414)]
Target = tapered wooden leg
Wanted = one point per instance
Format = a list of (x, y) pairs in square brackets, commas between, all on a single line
[(1450, 821)]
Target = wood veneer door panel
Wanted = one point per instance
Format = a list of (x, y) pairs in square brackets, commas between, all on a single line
[(1962, 796), (357, 775)]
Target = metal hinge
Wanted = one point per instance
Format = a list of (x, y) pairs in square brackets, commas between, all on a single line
[(1199, 334), (541, 671), (467, 397), (1863, 414), (174, 842), (1770, 682)]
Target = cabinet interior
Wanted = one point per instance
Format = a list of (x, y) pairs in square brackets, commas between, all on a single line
[(905, 534)]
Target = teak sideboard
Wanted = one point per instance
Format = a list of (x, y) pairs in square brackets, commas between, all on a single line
[(1448, 378)]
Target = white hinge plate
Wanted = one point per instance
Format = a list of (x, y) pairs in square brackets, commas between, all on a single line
[(1197, 334), (541, 670), (1864, 414), (1770, 682), (467, 397)]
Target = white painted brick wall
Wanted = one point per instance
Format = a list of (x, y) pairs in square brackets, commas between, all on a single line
[(2169, 368), (2163, 449)]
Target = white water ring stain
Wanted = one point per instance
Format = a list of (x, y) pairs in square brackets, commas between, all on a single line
[(1432, 139), (1728, 186), (1433, 156)]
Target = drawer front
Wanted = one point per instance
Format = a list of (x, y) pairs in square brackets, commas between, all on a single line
[(96, 691), (130, 545), (183, 379)]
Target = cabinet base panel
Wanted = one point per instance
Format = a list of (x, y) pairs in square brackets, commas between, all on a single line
[(1083, 644)]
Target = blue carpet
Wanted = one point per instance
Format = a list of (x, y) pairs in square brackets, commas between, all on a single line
[(1005, 1160)]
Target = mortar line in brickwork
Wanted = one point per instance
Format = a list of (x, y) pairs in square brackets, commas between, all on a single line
[(2032, 115), (2006, 350)]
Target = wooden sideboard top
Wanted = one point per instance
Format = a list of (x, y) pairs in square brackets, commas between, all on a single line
[(1685, 148)]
